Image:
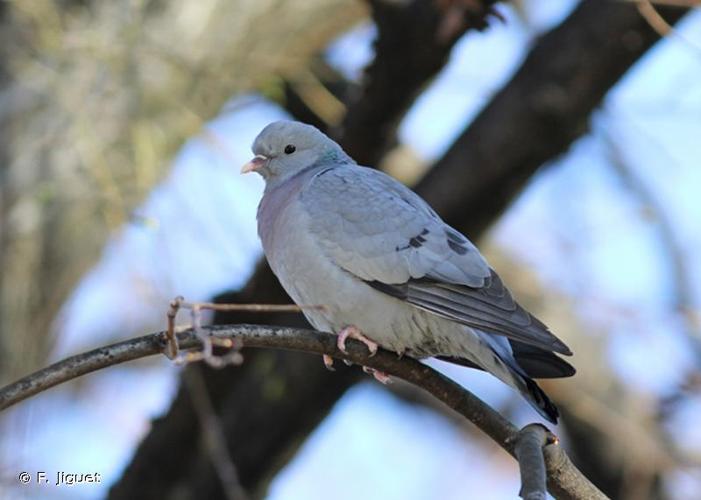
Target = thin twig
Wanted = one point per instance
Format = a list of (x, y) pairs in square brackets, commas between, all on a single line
[(206, 354), (670, 3), (214, 437), (275, 308), (565, 481), (314, 94), (172, 347), (661, 26), (654, 19)]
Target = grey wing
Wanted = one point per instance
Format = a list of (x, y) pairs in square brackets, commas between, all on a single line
[(490, 308), (374, 227)]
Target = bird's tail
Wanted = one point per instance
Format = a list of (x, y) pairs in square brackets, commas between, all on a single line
[(507, 369), (537, 398)]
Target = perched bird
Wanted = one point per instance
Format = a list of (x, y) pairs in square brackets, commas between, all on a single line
[(387, 269)]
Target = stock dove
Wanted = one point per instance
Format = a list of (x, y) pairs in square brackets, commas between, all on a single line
[(387, 269)]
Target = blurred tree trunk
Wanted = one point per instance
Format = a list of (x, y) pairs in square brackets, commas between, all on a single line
[(532, 120), (96, 97), (4, 159)]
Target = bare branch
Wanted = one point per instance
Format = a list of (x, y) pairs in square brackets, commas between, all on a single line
[(412, 46), (565, 480), (206, 354), (539, 113), (661, 26), (670, 3), (528, 449), (213, 306)]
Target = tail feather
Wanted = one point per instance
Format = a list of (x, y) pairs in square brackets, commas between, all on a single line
[(507, 369), (539, 400), (536, 362), (539, 363)]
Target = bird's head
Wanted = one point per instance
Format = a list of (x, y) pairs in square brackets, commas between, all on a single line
[(284, 148)]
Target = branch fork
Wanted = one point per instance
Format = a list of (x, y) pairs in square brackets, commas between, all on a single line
[(206, 354)]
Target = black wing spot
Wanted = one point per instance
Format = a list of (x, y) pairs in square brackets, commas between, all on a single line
[(415, 241), (455, 247)]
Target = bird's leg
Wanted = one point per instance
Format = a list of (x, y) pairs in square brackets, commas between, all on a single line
[(354, 332)]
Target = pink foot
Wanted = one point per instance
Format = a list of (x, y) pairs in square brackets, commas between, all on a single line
[(353, 332), (381, 377)]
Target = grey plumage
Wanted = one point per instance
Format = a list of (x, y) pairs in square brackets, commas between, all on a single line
[(378, 257)]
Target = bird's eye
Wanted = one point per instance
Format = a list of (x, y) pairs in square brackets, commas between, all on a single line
[(289, 149)]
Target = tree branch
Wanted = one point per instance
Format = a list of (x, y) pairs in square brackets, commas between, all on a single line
[(214, 437), (409, 52), (528, 450), (539, 113), (565, 480)]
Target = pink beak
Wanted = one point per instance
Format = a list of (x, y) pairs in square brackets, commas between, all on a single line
[(257, 162)]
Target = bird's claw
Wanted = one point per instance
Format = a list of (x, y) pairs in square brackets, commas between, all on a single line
[(381, 377), (328, 363), (354, 332)]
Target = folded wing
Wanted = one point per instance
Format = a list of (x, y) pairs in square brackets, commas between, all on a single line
[(383, 233)]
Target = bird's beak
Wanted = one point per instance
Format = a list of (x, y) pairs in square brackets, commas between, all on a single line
[(256, 163)]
